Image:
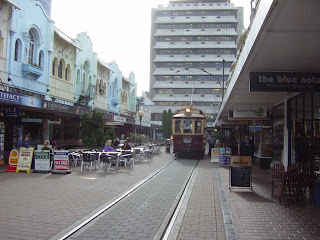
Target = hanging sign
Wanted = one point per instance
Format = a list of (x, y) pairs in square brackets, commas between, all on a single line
[(25, 159), (41, 161), (13, 160), (284, 82), (61, 162), (249, 112)]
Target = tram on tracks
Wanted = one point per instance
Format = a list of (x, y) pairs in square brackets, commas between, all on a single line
[(188, 126)]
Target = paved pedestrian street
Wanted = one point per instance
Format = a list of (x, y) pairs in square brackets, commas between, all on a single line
[(39, 206), (46, 206)]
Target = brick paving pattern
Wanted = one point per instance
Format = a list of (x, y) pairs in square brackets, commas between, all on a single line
[(258, 216), (203, 218), (141, 215)]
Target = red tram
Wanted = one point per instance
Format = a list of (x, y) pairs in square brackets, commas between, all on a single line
[(188, 126)]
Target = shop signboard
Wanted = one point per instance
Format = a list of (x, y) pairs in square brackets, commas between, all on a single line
[(13, 160), (56, 106), (42, 161), (284, 82), (215, 155), (25, 159), (9, 110), (119, 119), (61, 162), (249, 112), (15, 98), (240, 161)]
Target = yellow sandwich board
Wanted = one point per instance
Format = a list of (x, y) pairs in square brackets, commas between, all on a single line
[(25, 159)]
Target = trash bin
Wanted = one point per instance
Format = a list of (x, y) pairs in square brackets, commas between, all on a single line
[(168, 144)]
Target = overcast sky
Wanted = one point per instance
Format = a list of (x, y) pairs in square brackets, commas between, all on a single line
[(119, 30)]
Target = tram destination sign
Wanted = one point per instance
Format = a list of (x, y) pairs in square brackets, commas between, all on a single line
[(284, 82)]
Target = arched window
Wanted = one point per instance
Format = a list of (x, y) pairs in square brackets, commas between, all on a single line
[(17, 51), (54, 66), (97, 86), (31, 47), (78, 77), (60, 69), (67, 73), (101, 90), (41, 59)]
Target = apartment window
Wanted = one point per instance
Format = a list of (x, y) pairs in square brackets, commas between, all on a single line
[(218, 17), (187, 17), (172, 43), (218, 30), (203, 17)]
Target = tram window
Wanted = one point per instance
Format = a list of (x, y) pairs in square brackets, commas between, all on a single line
[(177, 127), (187, 126), (197, 128)]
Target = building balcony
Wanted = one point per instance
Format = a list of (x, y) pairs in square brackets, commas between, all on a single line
[(197, 19), (195, 44), (195, 32), (115, 102), (32, 71)]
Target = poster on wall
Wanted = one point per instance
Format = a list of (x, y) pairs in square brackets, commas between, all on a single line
[(41, 161), (25, 159)]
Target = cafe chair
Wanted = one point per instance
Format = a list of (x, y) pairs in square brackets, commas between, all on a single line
[(96, 159), (74, 158), (87, 160), (291, 189), (126, 159), (277, 178)]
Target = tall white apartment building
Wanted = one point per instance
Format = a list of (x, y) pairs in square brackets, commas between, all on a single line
[(193, 44)]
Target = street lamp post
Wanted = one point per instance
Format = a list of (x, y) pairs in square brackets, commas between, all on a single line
[(140, 114)]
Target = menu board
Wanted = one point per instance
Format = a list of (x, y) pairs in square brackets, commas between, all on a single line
[(41, 161), (2, 132), (240, 176)]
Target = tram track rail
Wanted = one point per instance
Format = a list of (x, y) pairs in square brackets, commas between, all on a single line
[(169, 221)]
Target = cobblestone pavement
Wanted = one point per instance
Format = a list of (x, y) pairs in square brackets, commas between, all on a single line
[(39, 206), (147, 211)]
